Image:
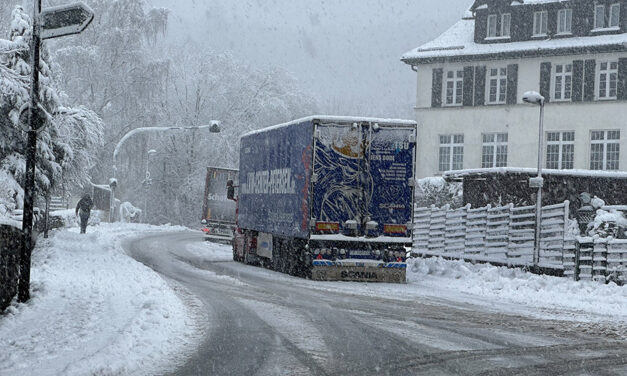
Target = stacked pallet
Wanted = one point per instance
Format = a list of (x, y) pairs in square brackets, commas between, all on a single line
[(521, 235), (616, 261), (476, 225)]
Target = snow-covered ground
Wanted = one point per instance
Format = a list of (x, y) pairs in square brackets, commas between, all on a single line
[(496, 289), (96, 311)]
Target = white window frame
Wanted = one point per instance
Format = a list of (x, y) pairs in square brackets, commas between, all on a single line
[(561, 143), (543, 23), (496, 142), (457, 82), (608, 73), (453, 143), (565, 21), (564, 77), (599, 8), (500, 81), (506, 32), (614, 11), (491, 22), (605, 142)]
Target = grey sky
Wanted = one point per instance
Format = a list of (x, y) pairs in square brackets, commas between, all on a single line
[(346, 51)]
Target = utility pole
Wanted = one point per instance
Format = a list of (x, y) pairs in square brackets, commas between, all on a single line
[(31, 148)]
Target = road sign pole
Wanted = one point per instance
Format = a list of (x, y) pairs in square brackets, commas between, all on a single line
[(31, 149)]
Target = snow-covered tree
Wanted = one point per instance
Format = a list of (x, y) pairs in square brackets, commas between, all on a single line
[(62, 143), (205, 86), (112, 69)]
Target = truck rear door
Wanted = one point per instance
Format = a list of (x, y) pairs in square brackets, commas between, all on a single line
[(338, 182), (390, 156)]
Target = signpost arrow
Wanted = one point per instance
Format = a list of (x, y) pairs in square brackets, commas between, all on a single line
[(65, 20)]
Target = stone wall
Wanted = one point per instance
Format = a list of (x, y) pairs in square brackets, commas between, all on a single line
[(10, 245)]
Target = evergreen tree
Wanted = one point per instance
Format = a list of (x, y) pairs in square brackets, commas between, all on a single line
[(62, 144)]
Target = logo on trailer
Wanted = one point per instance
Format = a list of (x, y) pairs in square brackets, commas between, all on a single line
[(278, 181), (346, 274)]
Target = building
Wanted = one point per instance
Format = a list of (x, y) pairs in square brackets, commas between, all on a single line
[(471, 80)]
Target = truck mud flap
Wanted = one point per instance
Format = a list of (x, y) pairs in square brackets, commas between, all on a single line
[(325, 270)]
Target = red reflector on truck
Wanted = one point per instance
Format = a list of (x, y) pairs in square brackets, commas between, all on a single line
[(394, 229), (328, 226)]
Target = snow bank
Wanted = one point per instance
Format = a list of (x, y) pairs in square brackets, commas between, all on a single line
[(539, 295), (94, 310), (70, 219)]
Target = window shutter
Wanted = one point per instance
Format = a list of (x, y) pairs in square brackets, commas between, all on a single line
[(436, 88), (622, 79), (480, 73), (469, 83), (512, 83), (545, 81), (589, 72), (577, 95)]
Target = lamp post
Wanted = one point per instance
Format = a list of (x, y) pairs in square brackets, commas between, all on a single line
[(535, 98), (213, 126), (147, 181)]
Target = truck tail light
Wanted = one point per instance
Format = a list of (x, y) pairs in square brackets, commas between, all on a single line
[(328, 227), (252, 243), (393, 229)]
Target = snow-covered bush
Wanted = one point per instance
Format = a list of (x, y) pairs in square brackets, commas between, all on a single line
[(129, 213), (608, 223), (437, 191)]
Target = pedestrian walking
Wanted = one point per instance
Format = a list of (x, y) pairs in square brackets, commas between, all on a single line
[(83, 210)]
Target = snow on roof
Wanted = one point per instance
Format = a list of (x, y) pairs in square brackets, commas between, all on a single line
[(339, 119), (531, 2), (482, 4), (459, 41), (453, 175)]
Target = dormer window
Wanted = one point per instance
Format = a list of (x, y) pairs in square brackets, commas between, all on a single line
[(564, 21), (493, 30), (614, 15), (602, 20), (492, 26), (540, 23), (506, 21)]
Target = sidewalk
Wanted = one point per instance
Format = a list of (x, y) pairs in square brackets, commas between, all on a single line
[(94, 310)]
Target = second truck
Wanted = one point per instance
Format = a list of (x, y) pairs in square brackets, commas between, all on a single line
[(328, 198)]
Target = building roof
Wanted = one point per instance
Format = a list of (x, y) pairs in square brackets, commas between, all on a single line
[(458, 44)]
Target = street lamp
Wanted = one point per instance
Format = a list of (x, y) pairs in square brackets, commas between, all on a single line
[(535, 98), (213, 126), (147, 181)]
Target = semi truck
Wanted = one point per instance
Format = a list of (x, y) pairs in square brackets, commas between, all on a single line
[(327, 198), (218, 213)]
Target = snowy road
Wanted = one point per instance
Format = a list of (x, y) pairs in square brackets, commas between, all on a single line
[(262, 323)]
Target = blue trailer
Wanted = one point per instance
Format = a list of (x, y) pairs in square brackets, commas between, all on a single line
[(330, 198)]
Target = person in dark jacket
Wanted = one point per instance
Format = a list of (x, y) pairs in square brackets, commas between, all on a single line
[(83, 209)]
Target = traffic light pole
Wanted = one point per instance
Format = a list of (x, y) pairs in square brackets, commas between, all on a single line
[(31, 150)]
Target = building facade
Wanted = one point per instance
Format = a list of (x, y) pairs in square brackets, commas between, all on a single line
[(472, 78)]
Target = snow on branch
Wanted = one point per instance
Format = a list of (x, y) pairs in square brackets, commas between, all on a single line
[(9, 47)]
